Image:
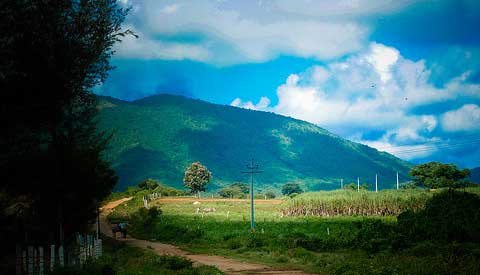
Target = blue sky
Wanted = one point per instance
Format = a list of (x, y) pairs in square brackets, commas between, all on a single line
[(400, 76)]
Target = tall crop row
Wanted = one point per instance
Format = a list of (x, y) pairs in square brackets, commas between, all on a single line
[(351, 203)]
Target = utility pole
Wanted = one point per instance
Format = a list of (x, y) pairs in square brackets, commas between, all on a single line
[(376, 182), (358, 184), (252, 169), (397, 181)]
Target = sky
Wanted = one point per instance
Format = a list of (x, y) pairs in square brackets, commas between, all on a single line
[(399, 76)]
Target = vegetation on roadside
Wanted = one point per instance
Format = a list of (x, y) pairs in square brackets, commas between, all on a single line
[(143, 188), (120, 259)]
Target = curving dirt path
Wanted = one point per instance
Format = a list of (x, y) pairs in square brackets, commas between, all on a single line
[(226, 265)]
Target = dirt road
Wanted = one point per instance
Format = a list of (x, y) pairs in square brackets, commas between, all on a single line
[(226, 265)]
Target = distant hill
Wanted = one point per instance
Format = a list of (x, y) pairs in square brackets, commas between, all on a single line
[(475, 175), (159, 136)]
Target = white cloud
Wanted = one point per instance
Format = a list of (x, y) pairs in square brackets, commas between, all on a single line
[(170, 9), (348, 8), (145, 48), (382, 58), (376, 90), (466, 118), (245, 32), (261, 105)]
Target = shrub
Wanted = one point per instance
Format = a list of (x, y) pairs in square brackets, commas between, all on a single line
[(291, 188), (270, 195), (448, 216)]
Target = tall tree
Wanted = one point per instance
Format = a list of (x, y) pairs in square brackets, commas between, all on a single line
[(196, 177), (53, 54), (436, 174)]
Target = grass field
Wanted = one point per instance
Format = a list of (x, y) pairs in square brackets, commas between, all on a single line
[(352, 244)]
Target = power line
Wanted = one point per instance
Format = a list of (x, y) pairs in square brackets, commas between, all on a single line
[(456, 137), (434, 148)]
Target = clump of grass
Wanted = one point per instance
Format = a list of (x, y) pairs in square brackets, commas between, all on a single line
[(352, 203)]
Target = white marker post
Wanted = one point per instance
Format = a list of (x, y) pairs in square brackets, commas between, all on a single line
[(397, 182), (376, 183), (358, 184)]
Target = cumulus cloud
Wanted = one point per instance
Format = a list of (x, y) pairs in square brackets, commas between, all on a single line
[(261, 105), (466, 118), (246, 32), (376, 91)]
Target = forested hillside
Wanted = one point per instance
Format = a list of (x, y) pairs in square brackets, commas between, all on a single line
[(159, 136)]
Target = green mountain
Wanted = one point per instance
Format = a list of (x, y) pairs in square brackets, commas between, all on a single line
[(159, 136), (475, 175)]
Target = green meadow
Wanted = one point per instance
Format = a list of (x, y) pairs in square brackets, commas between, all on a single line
[(365, 242)]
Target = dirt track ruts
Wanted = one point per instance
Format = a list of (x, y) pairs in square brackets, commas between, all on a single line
[(226, 265)]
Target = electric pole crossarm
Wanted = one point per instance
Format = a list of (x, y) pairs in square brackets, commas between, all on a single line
[(253, 169)]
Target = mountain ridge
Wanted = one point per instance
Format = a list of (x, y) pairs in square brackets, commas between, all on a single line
[(158, 136)]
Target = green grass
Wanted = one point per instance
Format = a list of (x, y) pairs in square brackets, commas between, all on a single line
[(121, 259), (335, 245)]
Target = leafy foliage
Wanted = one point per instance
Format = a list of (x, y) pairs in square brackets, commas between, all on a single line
[(158, 136), (196, 177), (231, 192), (53, 54), (270, 194), (291, 188), (148, 184), (448, 216), (235, 190), (436, 175)]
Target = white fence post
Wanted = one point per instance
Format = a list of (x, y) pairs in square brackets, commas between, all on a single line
[(52, 257)]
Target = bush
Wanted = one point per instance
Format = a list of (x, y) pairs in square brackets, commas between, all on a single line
[(270, 195), (142, 220), (448, 216), (290, 188), (148, 184)]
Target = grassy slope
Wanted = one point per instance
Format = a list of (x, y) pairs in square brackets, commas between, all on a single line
[(159, 136)]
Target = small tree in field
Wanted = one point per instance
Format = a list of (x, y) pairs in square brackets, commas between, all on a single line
[(196, 177), (291, 188)]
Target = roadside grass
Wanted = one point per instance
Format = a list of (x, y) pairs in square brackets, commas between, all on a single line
[(121, 259), (335, 245)]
